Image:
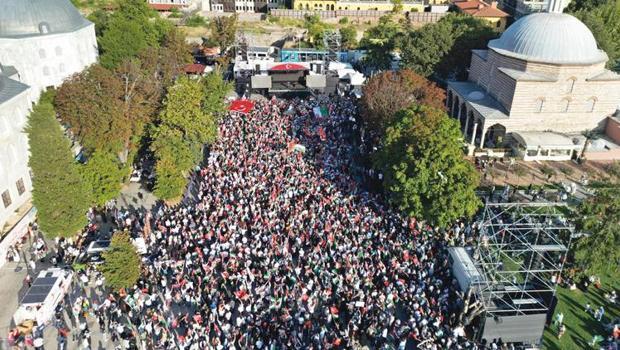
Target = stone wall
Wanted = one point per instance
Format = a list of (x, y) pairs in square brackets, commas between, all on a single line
[(589, 102)]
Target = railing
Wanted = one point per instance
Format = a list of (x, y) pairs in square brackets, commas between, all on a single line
[(419, 17)]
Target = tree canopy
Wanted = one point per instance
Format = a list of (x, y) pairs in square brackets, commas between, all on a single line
[(185, 125), (600, 217), (59, 192), (602, 17), (121, 268), (444, 48), (389, 92), (104, 175), (348, 37), (424, 169), (130, 29), (380, 41), (222, 31), (89, 104), (107, 109)]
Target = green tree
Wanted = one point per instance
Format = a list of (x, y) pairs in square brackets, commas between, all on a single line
[(424, 168), (316, 30), (105, 174), (444, 48), (121, 268), (123, 39), (130, 29), (600, 217), (381, 41), (397, 6), (470, 33), (215, 91), (184, 127), (603, 18), (196, 21), (100, 18), (223, 30), (348, 37), (59, 193)]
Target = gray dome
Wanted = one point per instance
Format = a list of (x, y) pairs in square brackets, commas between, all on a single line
[(20, 18), (549, 38)]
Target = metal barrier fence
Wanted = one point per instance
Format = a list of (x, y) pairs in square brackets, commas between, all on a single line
[(420, 17)]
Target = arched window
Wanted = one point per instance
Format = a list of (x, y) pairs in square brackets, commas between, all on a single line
[(540, 104), (44, 28), (46, 71), (565, 104), (42, 53), (591, 104), (570, 84)]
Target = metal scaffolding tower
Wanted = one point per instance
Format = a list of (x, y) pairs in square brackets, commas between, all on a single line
[(241, 46), (521, 253), (332, 42)]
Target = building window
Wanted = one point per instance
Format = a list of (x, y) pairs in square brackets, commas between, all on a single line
[(591, 104), (570, 85), (6, 198), (42, 53), (46, 70), (540, 104), (61, 68), (44, 28), (58, 51), (20, 186), (565, 105)]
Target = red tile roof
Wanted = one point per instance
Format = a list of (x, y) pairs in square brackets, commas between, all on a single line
[(478, 8), (194, 68), (164, 7)]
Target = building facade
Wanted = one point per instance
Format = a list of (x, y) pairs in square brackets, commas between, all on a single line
[(42, 42), (488, 12), (241, 6), (520, 8), (545, 74), (334, 5)]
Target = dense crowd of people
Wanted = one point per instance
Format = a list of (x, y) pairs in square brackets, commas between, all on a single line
[(281, 242), (279, 247)]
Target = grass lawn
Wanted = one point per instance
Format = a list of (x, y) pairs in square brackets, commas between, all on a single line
[(580, 326)]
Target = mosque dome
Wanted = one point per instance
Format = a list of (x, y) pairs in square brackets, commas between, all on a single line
[(23, 18), (553, 38)]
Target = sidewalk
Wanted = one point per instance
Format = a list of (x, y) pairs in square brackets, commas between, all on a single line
[(12, 289)]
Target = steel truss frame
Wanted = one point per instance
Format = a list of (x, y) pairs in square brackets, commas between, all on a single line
[(332, 42), (521, 253)]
